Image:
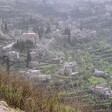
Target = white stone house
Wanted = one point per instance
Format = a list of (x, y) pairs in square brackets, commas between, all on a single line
[(33, 37), (103, 89), (68, 69), (13, 55), (99, 73), (70, 65), (33, 73), (37, 74)]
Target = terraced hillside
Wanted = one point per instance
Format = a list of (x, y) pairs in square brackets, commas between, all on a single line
[(92, 55)]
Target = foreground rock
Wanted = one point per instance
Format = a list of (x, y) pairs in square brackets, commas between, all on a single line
[(5, 108)]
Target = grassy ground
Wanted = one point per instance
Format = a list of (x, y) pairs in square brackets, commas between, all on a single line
[(97, 80)]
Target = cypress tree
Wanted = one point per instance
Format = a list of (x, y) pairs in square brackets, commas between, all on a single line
[(28, 58)]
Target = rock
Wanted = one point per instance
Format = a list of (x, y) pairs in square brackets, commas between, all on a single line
[(5, 108)]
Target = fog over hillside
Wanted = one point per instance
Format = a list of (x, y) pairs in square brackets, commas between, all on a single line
[(56, 55), (73, 1)]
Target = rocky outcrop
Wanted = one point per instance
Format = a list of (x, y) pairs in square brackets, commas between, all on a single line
[(5, 108)]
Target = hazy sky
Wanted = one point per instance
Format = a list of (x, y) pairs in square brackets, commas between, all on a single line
[(81, 0)]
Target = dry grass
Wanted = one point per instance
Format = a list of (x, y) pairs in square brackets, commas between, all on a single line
[(19, 92)]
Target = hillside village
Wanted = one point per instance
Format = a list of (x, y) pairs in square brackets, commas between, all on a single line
[(69, 51)]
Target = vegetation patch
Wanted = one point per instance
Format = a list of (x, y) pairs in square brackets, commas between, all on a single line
[(97, 80)]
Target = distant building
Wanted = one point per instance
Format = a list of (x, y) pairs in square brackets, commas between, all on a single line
[(68, 69), (103, 89), (6, 8), (99, 73), (13, 55), (30, 36), (33, 73), (70, 65), (83, 36), (37, 74)]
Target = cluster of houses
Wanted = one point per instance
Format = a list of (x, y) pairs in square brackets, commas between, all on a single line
[(84, 34), (36, 74), (103, 89), (30, 36), (42, 46)]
